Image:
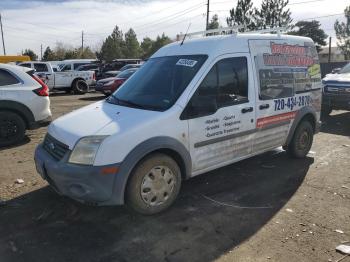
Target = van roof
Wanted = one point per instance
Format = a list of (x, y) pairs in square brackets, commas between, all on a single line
[(222, 44)]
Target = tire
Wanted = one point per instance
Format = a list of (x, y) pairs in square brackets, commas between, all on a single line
[(12, 128), (80, 87), (154, 184), (302, 140)]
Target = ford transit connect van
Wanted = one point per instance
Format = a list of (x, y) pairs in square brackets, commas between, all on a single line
[(191, 108)]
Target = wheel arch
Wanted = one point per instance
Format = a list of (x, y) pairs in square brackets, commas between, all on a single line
[(20, 109), (75, 80), (165, 145), (306, 113)]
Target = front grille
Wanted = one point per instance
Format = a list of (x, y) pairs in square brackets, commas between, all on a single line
[(54, 147), (341, 90)]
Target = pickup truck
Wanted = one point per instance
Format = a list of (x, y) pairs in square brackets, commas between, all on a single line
[(336, 91), (66, 80)]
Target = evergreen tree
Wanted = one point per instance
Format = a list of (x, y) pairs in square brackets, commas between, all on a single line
[(146, 47), (48, 55), (160, 42), (273, 13), (242, 15), (214, 23), (31, 54), (113, 46), (313, 30), (342, 31), (132, 46)]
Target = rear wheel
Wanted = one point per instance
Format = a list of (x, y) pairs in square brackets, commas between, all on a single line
[(12, 128), (154, 184), (302, 140), (80, 87)]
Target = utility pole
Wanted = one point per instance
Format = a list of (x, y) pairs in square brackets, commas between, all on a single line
[(330, 49), (207, 27), (2, 35), (82, 43), (41, 52)]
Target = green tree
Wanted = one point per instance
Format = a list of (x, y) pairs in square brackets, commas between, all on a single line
[(146, 47), (242, 15), (313, 30), (132, 46), (214, 22), (160, 42), (48, 55), (273, 13), (342, 31), (31, 54), (113, 46)]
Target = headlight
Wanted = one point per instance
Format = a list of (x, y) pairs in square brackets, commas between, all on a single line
[(85, 150)]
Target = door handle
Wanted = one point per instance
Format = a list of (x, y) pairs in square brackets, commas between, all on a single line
[(247, 109), (265, 106)]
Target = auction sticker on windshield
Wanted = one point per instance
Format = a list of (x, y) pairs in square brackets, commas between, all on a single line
[(186, 62)]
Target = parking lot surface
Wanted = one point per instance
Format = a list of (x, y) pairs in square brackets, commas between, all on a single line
[(267, 208)]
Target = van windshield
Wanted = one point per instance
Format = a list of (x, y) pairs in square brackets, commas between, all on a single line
[(159, 82), (345, 69)]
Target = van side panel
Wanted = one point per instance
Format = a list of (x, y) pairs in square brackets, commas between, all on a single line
[(288, 81)]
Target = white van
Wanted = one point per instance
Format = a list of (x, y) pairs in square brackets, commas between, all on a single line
[(191, 108)]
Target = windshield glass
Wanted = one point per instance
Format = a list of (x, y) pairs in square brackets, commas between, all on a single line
[(159, 82), (345, 69)]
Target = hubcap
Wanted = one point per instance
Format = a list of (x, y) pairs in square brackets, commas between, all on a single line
[(157, 185), (304, 140)]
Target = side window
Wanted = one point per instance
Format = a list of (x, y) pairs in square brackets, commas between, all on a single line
[(233, 81), (26, 65), (77, 65), (226, 84), (66, 67), (40, 67), (6, 78)]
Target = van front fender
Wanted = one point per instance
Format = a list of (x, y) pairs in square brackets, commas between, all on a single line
[(139, 152)]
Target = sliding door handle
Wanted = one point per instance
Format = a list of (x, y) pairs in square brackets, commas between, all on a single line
[(265, 106), (247, 109)]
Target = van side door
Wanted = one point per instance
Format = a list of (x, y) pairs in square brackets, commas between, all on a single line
[(287, 73), (221, 114)]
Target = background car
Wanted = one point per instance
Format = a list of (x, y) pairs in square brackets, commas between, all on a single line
[(24, 103), (111, 84), (336, 91)]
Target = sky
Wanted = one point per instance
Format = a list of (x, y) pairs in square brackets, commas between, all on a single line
[(32, 23)]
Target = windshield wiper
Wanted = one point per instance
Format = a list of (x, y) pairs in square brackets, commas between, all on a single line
[(126, 102)]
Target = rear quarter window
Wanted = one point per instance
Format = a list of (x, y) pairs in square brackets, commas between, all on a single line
[(40, 67), (6, 78)]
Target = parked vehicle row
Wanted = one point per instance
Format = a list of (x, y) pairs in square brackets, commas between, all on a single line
[(65, 79)]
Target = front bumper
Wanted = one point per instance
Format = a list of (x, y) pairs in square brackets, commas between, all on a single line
[(86, 184), (41, 123), (336, 101)]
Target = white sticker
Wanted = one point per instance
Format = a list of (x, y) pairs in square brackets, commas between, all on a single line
[(187, 62)]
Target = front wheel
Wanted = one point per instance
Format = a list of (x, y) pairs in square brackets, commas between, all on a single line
[(12, 128), (154, 184), (302, 140)]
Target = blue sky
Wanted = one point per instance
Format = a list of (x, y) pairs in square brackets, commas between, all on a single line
[(29, 23)]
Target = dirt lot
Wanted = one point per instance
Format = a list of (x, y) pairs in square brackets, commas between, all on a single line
[(268, 208)]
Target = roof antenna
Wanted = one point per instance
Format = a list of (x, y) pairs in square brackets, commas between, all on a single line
[(183, 39)]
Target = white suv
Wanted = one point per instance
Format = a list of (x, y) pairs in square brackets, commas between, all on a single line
[(24, 103)]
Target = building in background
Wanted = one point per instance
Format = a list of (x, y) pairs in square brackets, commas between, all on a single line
[(336, 55)]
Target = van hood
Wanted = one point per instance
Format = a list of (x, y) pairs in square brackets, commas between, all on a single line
[(101, 118), (337, 77)]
